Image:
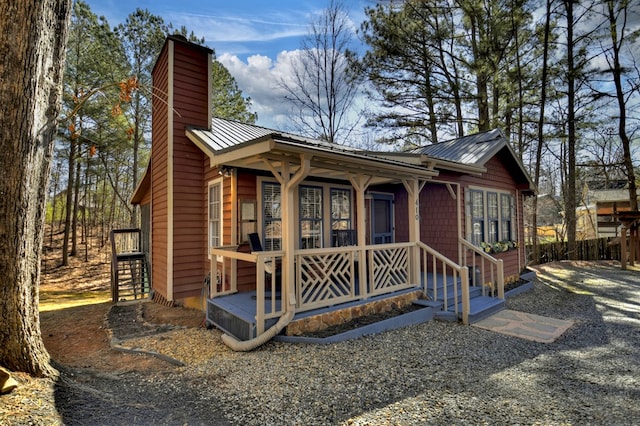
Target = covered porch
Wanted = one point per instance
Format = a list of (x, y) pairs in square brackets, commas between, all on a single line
[(328, 280), (292, 278)]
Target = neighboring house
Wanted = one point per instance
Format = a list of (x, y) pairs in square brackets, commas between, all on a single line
[(550, 220), (598, 216), (338, 227)]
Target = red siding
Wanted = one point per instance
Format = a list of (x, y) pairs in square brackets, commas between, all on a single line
[(439, 219), (245, 190), (439, 211), (159, 176), (496, 177), (190, 103)]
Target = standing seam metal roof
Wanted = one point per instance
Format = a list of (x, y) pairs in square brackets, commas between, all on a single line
[(473, 149)]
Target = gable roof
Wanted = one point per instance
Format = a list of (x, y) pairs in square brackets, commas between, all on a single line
[(476, 150), (238, 144)]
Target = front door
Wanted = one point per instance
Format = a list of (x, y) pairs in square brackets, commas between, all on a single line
[(382, 219)]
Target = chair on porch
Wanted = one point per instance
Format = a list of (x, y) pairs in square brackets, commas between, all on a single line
[(269, 266), (344, 237)]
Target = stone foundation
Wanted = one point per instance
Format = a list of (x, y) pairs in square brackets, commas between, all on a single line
[(321, 321)]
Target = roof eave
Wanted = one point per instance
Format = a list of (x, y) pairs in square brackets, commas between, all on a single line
[(143, 185)]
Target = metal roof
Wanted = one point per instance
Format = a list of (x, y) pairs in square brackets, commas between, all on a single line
[(225, 134), (474, 149), (231, 141)]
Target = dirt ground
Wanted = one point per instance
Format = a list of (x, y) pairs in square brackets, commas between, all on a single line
[(74, 303)]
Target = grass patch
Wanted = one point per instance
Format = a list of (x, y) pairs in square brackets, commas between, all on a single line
[(54, 300)]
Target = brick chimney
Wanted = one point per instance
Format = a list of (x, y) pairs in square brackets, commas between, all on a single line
[(181, 97)]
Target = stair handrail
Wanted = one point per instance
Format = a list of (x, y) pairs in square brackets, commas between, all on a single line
[(460, 270), (498, 263), (114, 257)]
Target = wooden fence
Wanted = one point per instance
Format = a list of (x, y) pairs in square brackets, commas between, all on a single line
[(598, 249)]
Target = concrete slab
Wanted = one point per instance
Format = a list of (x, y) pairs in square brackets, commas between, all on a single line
[(525, 326)]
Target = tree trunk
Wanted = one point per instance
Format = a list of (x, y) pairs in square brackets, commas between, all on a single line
[(541, 121), (69, 202), (620, 97), (33, 52), (570, 191), (74, 215)]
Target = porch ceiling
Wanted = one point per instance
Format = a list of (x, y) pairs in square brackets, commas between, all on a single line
[(327, 161)]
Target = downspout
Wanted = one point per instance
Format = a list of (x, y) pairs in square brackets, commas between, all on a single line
[(288, 239)]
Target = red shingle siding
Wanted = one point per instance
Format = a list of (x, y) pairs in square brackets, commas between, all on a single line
[(498, 177), (439, 220), (400, 218)]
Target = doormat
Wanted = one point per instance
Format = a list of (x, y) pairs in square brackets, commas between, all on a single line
[(525, 326)]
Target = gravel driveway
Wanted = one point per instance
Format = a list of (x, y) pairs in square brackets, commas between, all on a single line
[(433, 373)]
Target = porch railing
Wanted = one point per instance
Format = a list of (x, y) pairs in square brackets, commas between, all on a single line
[(486, 270), (329, 276), (440, 274), (323, 277), (224, 267)]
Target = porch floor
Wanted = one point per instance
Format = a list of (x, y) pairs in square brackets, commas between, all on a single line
[(243, 305), (235, 314)]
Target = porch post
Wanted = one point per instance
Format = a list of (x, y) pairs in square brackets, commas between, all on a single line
[(288, 183), (623, 247), (360, 184), (413, 188)]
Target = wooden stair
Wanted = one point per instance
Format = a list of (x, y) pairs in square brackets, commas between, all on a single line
[(129, 269), (130, 277), (480, 306)]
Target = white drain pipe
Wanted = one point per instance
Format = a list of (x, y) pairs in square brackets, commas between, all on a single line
[(249, 345)]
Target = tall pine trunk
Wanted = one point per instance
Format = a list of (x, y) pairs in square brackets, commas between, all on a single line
[(541, 122), (33, 52), (570, 188), (616, 71), (69, 201)]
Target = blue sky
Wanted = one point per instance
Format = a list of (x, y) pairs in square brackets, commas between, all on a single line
[(254, 39)]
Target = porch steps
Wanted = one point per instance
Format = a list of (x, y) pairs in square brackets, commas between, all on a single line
[(480, 306)]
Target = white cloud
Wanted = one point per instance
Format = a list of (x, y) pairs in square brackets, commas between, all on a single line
[(216, 28), (259, 78)]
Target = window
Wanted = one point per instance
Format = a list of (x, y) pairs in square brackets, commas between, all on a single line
[(271, 216), (310, 217), (506, 209), (215, 214), (340, 209), (477, 217), (491, 215), (323, 215)]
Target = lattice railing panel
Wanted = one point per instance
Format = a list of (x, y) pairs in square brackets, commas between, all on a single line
[(324, 279), (389, 269)]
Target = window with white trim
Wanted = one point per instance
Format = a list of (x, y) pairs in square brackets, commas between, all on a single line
[(310, 217), (215, 214), (491, 216), (340, 209), (477, 216), (506, 214), (322, 210), (271, 216)]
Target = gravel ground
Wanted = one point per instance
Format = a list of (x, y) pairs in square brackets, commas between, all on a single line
[(434, 373)]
